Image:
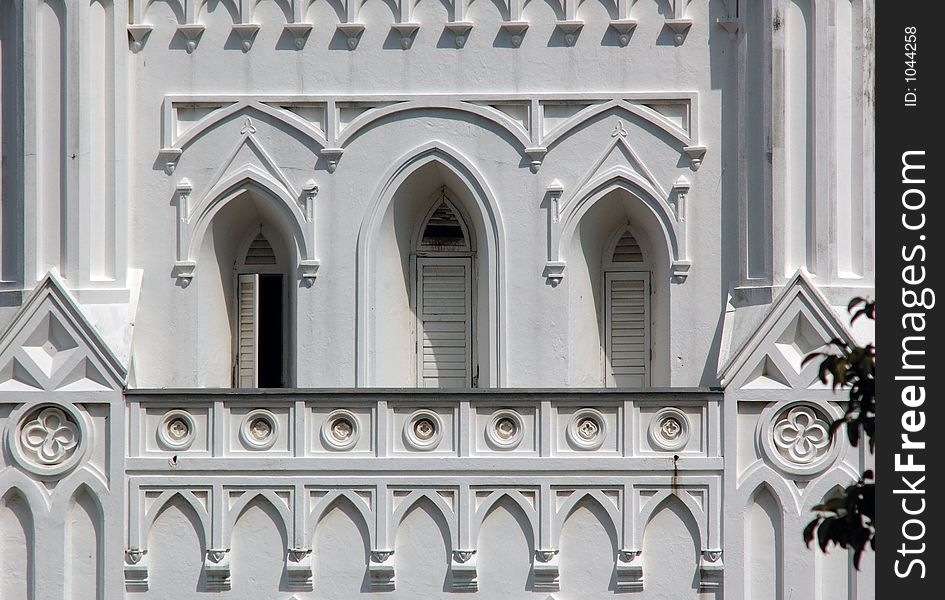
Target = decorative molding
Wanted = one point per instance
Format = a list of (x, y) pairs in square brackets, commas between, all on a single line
[(381, 570), (570, 28), (341, 430), (624, 29), (169, 156), (545, 571), (587, 429), (50, 345), (216, 568), (505, 430), (138, 35), (695, 154), (794, 437), (309, 191), (298, 567), (332, 156), (515, 30), (299, 33), (191, 33), (48, 440), (352, 32), (669, 430), (629, 571), (136, 570), (177, 430), (460, 31), (423, 430), (247, 34), (711, 570), (536, 155), (463, 570), (259, 430), (406, 31), (798, 322)]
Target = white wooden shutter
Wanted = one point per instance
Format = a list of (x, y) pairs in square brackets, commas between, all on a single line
[(247, 331), (627, 329), (444, 311)]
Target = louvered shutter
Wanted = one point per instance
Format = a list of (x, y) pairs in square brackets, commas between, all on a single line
[(627, 329), (247, 333), (443, 322)]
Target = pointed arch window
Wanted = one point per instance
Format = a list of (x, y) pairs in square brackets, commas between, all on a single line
[(444, 287), (626, 279), (260, 328)]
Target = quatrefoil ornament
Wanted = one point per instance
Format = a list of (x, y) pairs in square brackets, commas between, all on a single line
[(47, 440), (801, 436), (50, 437)]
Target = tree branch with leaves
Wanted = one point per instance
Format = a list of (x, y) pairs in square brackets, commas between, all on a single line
[(849, 520)]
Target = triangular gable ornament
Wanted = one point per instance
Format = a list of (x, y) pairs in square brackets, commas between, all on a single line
[(51, 346), (799, 321)]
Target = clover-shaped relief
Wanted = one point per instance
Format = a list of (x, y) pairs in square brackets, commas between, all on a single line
[(47, 440), (795, 437)]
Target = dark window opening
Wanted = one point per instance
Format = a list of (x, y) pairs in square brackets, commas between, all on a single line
[(270, 348)]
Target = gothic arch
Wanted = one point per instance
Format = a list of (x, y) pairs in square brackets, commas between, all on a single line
[(620, 178), (594, 496), (267, 189), (240, 506), (334, 499), (659, 501), (760, 474), (493, 500), (164, 500), (438, 504), (67, 491), (494, 252)]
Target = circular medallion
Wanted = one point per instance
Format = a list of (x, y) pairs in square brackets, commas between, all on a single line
[(795, 437), (341, 430), (505, 430), (47, 439), (587, 429), (669, 429), (423, 430), (259, 430), (177, 430)]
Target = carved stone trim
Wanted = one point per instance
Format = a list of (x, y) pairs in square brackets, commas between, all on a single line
[(545, 570), (629, 570), (587, 430), (136, 570), (298, 567), (460, 31), (516, 31), (711, 570), (571, 29), (381, 570), (352, 31), (299, 32), (47, 440), (406, 31), (624, 29), (216, 568), (138, 35), (247, 34), (463, 568), (191, 33), (341, 430)]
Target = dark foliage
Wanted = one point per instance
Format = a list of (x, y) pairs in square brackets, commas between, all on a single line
[(849, 520)]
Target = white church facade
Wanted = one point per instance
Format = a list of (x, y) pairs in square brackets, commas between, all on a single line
[(394, 299)]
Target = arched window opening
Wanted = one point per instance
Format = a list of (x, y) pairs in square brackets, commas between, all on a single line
[(626, 278), (444, 298), (260, 317)]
